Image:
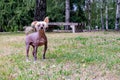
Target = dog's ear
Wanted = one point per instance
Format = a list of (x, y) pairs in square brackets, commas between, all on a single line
[(33, 24), (46, 20)]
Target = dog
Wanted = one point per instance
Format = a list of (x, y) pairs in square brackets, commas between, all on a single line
[(37, 39)]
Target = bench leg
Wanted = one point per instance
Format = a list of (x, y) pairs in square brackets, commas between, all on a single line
[(73, 28)]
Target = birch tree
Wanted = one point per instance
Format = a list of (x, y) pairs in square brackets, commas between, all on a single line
[(106, 11), (88, 8), (117, 15), (101, 13)]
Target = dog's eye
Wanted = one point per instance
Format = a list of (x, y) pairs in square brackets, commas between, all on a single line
[(39, 25), (43, 25)]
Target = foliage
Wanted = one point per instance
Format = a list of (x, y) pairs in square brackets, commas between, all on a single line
[(56, 10), (77, 15), (15, 14), (96, 5)]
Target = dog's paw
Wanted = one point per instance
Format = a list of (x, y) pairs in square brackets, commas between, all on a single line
[(44, 57), (34, 62), (27, 60)]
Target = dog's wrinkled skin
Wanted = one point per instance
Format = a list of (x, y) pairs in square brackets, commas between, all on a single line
[(37, 39)]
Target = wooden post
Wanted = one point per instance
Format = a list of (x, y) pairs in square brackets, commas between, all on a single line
[(73, 28)]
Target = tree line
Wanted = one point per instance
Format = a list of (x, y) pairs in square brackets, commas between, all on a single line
[(101, 14)]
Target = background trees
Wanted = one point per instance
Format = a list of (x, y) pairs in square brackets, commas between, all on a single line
[(14, 14)]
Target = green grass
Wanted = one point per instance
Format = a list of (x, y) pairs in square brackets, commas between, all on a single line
[(80, 56)]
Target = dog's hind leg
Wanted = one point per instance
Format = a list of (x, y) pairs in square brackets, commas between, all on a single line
[(27, 52), (33, 52)]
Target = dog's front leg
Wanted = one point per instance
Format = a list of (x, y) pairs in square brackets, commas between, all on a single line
[(35, 53), (45, 48)]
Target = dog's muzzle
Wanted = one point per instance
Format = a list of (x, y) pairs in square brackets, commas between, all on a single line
[(41, 27)]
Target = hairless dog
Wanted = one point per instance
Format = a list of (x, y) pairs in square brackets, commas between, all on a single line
[(37, 39)]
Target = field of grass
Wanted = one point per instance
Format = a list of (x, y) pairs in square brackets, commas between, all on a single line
[(80, 56)]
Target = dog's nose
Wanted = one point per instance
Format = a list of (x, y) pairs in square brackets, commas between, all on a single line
[(41, 27)]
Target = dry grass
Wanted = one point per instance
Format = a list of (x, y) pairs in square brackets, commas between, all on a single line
[(80, 56)]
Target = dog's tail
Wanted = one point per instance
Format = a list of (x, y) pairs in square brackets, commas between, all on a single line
[(30, 29)]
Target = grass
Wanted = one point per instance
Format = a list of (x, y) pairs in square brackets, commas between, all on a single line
[(80, 56)]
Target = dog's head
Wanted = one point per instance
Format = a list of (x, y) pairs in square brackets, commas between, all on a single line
[(42, 25)]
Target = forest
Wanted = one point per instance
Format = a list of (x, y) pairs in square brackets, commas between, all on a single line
[(103, 14)]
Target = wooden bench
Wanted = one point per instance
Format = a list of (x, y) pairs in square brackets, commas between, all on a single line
[(72, 25)]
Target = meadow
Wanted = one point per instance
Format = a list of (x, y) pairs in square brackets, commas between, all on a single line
[(79, 56)]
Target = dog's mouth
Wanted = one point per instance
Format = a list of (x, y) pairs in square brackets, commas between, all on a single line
[(42, 29)]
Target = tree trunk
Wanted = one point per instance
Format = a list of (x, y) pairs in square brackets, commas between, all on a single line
[(67, 13), (117, 15), (89, 15), (101, 13), (106, 16), (40, 10)]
